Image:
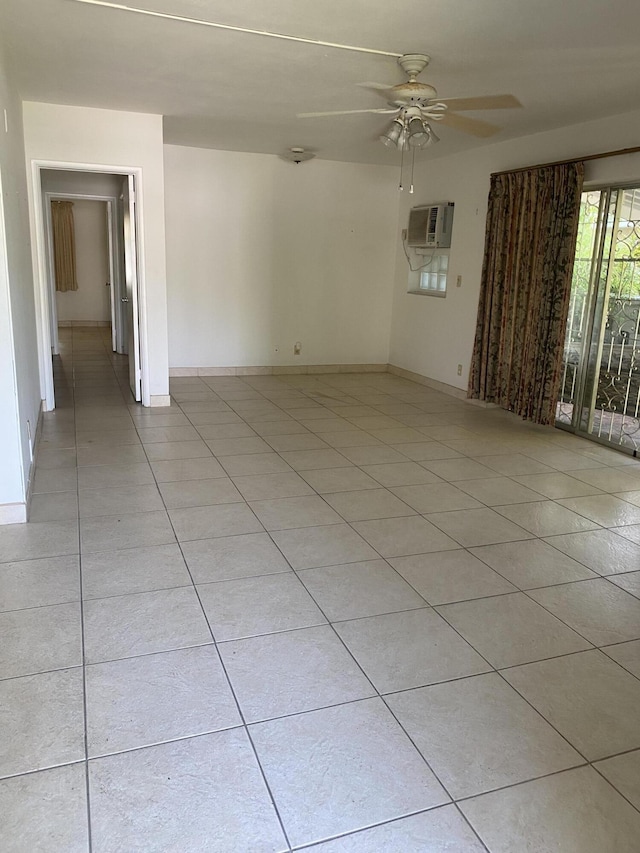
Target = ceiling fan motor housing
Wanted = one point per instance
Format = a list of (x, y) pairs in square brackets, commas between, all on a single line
[(413, 93)]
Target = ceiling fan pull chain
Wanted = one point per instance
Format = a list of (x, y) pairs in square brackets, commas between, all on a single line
[(400, 187), (413, 162)]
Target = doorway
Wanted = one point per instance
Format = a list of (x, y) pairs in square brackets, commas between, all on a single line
[(97, 266), (600, 392), (117, 190)]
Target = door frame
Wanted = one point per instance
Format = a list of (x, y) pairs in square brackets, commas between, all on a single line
[(113, 253), (42, 287)]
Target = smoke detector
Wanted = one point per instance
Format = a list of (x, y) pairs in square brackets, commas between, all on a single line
[(298, 155)]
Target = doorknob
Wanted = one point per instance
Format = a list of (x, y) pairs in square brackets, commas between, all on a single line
[(124, 299)]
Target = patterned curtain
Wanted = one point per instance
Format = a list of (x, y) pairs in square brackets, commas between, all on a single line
[(530, 243), (64, 245)]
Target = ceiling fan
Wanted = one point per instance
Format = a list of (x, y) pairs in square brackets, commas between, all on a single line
[(415, 105)]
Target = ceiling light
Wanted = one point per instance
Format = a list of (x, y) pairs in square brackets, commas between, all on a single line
[(433, 136), (419, 133), (298, 155), (410, 129), (393, 137)]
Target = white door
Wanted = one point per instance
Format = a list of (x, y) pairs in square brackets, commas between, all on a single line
[(130, 297)]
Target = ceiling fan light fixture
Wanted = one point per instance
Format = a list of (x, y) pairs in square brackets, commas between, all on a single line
[(419, 133), (433, 136), (393, 137)]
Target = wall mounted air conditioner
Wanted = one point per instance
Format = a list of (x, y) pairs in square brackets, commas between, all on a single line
[(430, 226)]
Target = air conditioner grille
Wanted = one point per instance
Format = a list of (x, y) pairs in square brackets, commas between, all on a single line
[(418, 220)]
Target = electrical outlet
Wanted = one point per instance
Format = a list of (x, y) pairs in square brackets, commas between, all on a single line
[(459, 281), (297, 348), (459, 370)]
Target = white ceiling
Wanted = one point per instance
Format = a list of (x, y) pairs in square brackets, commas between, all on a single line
[(566, 61)]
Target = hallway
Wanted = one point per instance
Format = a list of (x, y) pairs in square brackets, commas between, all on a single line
[(339, 612)]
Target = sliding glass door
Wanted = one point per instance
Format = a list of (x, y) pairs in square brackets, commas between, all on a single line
[(600, 395)]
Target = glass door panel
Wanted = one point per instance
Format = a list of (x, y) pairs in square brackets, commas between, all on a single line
[(578, 318), (600, 395)]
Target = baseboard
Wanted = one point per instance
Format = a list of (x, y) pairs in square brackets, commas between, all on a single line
[(276, 369), (329, 368), (65, 324), (13, 513), (430, 383), (443, 387), (32, 469), (159, 400)]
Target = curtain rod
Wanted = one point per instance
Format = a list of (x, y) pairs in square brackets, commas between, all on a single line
[(584, 159)]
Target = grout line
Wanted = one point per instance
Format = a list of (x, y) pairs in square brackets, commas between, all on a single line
[(82, 631), (361, 830)]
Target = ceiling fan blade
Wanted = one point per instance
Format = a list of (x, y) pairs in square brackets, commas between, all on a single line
[(487, 102), (468, 125), (379, 87), (343, 113)]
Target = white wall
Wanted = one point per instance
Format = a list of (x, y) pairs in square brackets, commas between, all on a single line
[(432, 336), (91, 301), (19, 381), (116, 140), (262, 253)]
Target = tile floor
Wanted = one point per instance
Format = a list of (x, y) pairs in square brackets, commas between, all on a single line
[(342, 613)]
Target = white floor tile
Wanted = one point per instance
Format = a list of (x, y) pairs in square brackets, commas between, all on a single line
[(36, 583), (128, 625), (324, 770), (359, 589), (436, 831), (627, 655), (45, 811), (478, 734), (588, 698), (310, 547), (40, 639), (402, 650), (208, 791), (42, 721), (532, 563), (295, 671), (512, 629), (177, 694), (576, 812), (258, 605), (397, 537), (623, 772), (602, 551), (596, 609), (448, 576)]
